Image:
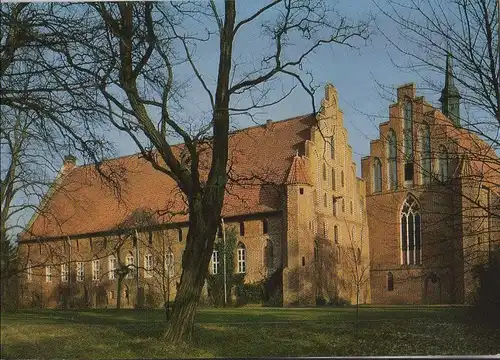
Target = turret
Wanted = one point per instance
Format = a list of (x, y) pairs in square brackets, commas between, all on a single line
[(450, 97)]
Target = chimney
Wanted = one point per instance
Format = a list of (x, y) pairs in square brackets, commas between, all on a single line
[(68, 164), (269, 123)]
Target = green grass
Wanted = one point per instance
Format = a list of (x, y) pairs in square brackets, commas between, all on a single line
[(247, 332)]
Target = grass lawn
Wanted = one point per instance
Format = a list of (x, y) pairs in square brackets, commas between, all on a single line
[(247, 332)]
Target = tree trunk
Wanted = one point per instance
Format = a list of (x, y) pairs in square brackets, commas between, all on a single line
[(199, 246), (119, 292)]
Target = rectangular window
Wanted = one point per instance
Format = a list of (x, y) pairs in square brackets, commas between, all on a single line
[(64, 273), (241, 261), (80, 271), (96, 270), (148, 265), (48, 273), (215, 262), (112, 267), (29, 275), (334, 206)]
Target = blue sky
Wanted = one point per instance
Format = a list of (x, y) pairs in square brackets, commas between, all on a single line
[(356, 73)]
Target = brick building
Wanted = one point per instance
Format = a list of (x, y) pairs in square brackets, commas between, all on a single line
[(432, 198), (293, 199)]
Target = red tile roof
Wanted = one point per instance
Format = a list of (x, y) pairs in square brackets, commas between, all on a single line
[(259, 159), (299, 172)]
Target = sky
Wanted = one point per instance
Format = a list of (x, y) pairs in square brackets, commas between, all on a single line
[(361, 76), (358, 75)]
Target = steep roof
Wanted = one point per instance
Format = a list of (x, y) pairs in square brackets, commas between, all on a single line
[(259, 159), (299, 173)]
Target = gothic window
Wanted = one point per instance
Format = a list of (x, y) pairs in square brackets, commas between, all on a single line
[(411, 244), (336, 234), (342, 178), (64, 273), (333, 179), (324, 172), (215, 262), (390, 281), (130, 262), (111, 267), (377, 175), (443, 164), (241, 253), (242, 228), (392, 159), (80, 271), (343, 205), (334, 206), (325, 200), (408, 126), (425, 140), (48, 273), (148, 265)]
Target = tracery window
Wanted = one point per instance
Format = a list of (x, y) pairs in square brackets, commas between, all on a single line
[(377, 175), (411, 242)]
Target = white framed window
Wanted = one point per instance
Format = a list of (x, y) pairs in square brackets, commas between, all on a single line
[(48, 273), (80, 271), (148, 265), (169, 261), (215, 262), (242, 258), (64, 273), (96, 270), (411, 242), (111, 267), (130, 262), (29, 271)]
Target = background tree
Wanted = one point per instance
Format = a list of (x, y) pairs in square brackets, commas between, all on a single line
[(133, 57)]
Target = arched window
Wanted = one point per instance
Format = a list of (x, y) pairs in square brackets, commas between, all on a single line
[(443, 164), (390, 281), (324, 172), (325, 200), (269, 255), (411, 244), (29, 273), (169, 261), (336, 234), (408, 126), (242, 228), (342, 178), (332, 147), (148, 265), (265, 226), (334, 206), (392, 159), (111, 267), (130, 262), (241, 253), (343, 205), (333, 179), (80, 271), (377, 175), (425, 141)]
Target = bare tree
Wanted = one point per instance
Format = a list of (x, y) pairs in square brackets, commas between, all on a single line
[(128, 60), (469, 30)]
